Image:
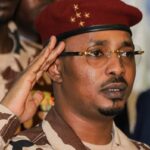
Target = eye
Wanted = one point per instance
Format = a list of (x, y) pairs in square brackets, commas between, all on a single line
[(96, 53), (129, 54)]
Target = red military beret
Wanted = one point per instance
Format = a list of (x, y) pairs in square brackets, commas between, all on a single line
[(66, 18)]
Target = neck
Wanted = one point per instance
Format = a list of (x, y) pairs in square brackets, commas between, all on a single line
[(6, 43), (89, 130)]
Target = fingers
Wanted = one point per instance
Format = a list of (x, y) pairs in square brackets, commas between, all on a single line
[(45, 59), (38, 97), (40, 59), (31, 105), (53, 56), (51, 45)]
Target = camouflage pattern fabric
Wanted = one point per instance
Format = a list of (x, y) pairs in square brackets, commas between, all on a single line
[(52, 134)]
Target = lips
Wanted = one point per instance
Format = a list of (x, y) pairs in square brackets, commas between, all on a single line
[(114, 91)]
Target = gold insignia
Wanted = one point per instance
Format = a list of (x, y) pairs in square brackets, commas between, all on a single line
[(78, 14), (87, 15), (73, 19), (81, 23), (76, 7)]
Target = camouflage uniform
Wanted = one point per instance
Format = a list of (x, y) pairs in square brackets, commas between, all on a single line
[(52, 134)]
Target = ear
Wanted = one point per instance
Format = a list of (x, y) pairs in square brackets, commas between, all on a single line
[(54, 72)]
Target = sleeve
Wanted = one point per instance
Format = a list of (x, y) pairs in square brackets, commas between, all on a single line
[(9, 141), (8, 126)]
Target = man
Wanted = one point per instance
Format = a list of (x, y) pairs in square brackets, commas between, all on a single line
[(92, 79)]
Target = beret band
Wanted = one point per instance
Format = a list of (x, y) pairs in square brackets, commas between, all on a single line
[(93, 29), (90, 29)]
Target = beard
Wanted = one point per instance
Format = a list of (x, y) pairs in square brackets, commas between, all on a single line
[(110, 112)]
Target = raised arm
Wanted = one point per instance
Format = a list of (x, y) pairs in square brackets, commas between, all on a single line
[(19, 100)]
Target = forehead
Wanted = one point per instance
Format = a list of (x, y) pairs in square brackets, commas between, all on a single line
[(110, 37)]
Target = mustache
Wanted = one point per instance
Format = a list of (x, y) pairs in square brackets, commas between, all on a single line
[(114, 79)]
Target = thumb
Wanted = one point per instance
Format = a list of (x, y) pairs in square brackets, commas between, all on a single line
[(32, 104)]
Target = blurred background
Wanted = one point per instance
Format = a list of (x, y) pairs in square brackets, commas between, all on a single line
[(141, 37)]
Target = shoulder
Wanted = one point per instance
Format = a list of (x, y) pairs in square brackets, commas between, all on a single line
[(128, 143), (35, 134), (33, 137), (140, 145)]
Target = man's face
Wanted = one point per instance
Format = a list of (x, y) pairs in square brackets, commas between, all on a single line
[(28, 10), (98, 87), (7, 9)]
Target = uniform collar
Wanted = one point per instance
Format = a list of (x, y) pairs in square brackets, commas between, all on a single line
[(61, 136)]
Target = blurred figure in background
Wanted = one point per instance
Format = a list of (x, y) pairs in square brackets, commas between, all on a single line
[(25, 16), (142, 132), (141, 36), (10, 64), (142, 121)]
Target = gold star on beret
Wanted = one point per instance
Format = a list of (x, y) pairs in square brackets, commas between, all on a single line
[(79, 15), (73, 19), (76, 7), (81, 23)]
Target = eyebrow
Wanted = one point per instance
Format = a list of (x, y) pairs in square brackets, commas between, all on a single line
[(97, 42), (125, 43)]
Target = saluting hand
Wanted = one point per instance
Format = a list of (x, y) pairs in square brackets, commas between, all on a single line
[(19, 99)]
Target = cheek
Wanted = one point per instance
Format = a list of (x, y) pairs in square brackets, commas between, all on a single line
[(81, 76), (81, 71), (130, 76)]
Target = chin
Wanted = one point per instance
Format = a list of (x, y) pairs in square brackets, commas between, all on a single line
[(113, 108), (110, 112)]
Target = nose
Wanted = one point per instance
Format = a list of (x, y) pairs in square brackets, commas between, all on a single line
[(115, 66)]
